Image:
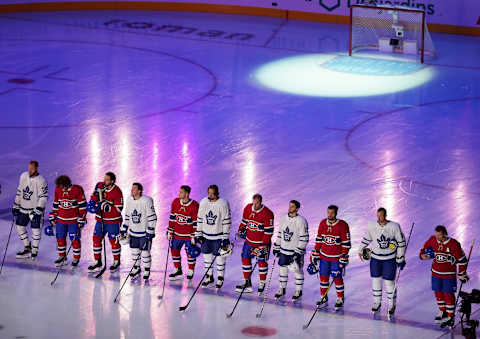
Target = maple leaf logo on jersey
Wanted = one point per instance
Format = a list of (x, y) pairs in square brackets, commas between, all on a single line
[(287, 235), (383, 242), (211, 218), (27, 194), (136, 217)]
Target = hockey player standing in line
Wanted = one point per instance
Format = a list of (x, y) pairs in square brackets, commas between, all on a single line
[(29, 206), (257, 230), (292, 239), (109, 212), (331, 252), (181, 231), (213, 232), (388, 252), (140, 221), (68, 216), (447, 254)]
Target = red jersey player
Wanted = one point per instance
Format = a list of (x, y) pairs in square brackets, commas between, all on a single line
[(108, 199), (331, 251), (257, 229), (181, 229), (68, 215), (447, 254)]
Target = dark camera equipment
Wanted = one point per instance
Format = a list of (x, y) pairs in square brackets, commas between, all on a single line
[(469, 326)]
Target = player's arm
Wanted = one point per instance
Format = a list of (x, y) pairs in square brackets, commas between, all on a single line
[(171, 220), (401, 245), (18, 196), (126, 220), (366, 240), (118, 201), (461, 261), (302, 238), (201, 213), (42, 197), (82, 207), (346, 244), (151, 219), (318, 245), (52, 216), (194, 219), (268, 229), (226, 221), (243, 223)]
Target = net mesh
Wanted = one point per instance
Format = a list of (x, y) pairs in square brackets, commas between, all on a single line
[(369, 24)]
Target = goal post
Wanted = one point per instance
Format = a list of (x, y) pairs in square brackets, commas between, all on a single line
[(389, 30)]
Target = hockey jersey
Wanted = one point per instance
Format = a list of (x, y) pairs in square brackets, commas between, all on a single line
[(213, 220), (332, 241), (140, 217), (32, 193), (183, 219), (292, 235), (114, 196), (448, 255), (259, 225), (69, 205), (388, 241)]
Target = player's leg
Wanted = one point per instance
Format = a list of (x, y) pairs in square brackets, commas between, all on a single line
[(388, 273), (61, 235), (297, 267), (191, 263), (283, 262), (175, 247), (36, 225), (113, 235), (376, 275), (246, 258), (449, 287), (339, 287), (437, 289), (21, 222), (135, 253), (221, 263), (207, 261), (324, 272), (263, 271), (74, 233), (98, 234), (146, 246)]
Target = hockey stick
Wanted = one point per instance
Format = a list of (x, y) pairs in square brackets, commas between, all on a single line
[(400, 271), (160, 297), (461, 284), (6, 247), (64, 259), (183, 308), (229, 315), (265, 295), (317, 308), (99, 274)]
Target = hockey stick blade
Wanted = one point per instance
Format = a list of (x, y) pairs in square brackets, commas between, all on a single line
[(101, 272), (160, 297), (182, 308), (228, 315)]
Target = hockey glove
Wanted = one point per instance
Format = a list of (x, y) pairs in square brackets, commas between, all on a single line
[(242, 233), (199, 239), (343, 260), (315, 258), (463, 277), (15, 212), (92, 206), (82, 222), (49, 231), (401, 263), (276, 250), (225, 243), (430, 252), (150, 236)]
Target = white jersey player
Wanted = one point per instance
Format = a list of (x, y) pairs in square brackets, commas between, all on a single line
[(29, 206), (213, 233), (139, 224), (289, 247), (387, 252)]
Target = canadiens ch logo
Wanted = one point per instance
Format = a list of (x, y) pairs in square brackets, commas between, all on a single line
[(383, 242), (136, 217), (331, 240), (66, 204), (442, 258), (27, 194), (287, 235), (211, 218), (181, 219)]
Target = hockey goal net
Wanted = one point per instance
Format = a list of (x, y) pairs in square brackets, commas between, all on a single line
[(390, 30)]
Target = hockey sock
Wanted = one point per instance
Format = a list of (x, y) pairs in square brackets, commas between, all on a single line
[(22, 233), (449, 303), (392, 297), (339, 287), (191, 263), (135, 256), (246, 268), (299, 280), (97, 247), (61, 246), (176, 259), (115, 248), (221, 266), (283, 276), (324, 282), (377, 290), (146, 259), (77, 248), (440, 300), (36, 236), (263, 270), (207, 261)]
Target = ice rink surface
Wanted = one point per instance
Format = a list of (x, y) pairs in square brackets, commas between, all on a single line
[(169, 98)]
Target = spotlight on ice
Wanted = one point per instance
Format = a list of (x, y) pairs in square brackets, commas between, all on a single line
[(330, 75)]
